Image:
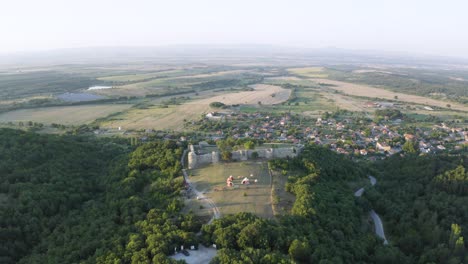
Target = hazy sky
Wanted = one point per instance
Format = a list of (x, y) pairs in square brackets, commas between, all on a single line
[(433, 27)]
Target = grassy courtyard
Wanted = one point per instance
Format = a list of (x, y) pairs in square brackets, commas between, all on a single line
[(254, 198)]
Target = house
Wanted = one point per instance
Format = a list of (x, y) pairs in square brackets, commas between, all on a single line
[(370, 104), (408, 136), (441, 147), (383, 146)]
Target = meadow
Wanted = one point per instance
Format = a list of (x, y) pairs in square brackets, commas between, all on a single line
[(67, 115), (310, 72), (373, 92), (174, 116)]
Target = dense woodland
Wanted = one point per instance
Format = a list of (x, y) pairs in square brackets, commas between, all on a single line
[(424, 202), (70, 199)]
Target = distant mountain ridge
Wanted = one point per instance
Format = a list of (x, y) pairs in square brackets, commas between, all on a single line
[(199, 52)]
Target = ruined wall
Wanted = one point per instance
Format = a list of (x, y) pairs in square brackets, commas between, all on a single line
[(268, 153), (195, 160)]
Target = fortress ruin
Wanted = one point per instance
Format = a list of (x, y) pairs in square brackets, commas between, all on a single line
[(209, 154)]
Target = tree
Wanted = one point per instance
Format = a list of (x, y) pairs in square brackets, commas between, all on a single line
[(255, 155), (249, 145), (226, 155), (299, 251), (217, 105), (409, 147)]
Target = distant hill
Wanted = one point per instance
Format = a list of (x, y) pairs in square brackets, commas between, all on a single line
[(200, 53)]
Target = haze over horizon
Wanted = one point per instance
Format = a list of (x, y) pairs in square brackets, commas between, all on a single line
[(417, 27)]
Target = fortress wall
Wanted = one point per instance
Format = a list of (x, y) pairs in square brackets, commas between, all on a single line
[(284, 152), (195, 160), (205, 158)]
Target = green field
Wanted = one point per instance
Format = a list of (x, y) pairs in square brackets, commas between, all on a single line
[(254, 198), (139, 76), (67, 115), (310, 72), (307, 101)]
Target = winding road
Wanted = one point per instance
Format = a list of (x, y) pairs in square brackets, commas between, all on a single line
[(379, 229)]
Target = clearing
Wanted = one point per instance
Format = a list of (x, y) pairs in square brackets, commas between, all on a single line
[(254, 198), (67, 115)]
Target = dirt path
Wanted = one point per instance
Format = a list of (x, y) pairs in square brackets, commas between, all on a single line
[(201, 197), (379, 229)]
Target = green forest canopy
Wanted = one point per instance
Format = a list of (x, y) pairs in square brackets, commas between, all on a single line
[(69, 199)]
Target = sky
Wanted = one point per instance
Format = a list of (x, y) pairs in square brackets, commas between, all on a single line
[(432, 27)]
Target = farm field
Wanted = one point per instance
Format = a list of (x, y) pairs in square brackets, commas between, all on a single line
[(138, 76), (182, 80), (254, 198), (175, 116), (372, 92), (345, 102), (306, 101), (186, 78), (310, 72), (67, 115)]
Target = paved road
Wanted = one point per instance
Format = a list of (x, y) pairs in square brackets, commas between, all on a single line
[(379, 230)]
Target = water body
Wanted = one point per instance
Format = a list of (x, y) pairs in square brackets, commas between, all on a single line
[(79, 97), (99, 87)]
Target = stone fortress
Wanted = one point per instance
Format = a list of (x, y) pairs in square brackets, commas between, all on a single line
[(209, 154)]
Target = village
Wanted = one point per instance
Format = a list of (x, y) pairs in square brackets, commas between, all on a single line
[(361, 136)]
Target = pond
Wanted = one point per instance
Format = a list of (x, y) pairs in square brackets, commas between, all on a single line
[(79, 97)]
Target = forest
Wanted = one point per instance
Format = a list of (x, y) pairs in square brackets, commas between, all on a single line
[(424, 202), (70, 199)]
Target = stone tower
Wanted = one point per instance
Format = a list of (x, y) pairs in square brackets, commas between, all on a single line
[(192, 158)]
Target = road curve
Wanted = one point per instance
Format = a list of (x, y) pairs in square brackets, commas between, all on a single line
[(378, 225)]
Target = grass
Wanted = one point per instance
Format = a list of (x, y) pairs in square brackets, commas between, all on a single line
[(153, 117), (282, 201), (310, 72), (373, 92), (139, 76), (307, 101), (67, 115), (254, 198), (175, 116)]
